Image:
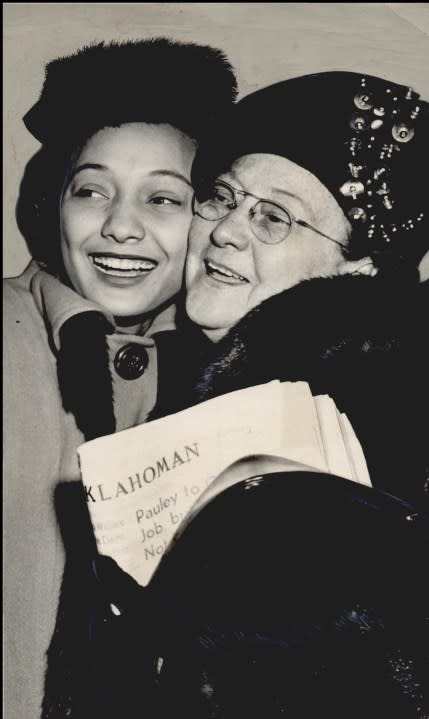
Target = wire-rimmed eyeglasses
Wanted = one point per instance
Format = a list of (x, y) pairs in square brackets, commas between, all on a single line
[(270, 222)]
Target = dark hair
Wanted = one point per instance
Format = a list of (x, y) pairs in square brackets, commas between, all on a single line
[(105, 85)]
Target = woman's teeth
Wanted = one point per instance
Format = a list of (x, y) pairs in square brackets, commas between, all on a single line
[(220, 271), (119, 266)]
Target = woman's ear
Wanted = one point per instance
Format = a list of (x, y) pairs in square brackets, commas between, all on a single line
[(363, 266)]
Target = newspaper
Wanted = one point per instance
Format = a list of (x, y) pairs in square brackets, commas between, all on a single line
[(141, 483)]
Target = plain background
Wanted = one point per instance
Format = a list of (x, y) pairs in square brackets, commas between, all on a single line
[(265, 42)]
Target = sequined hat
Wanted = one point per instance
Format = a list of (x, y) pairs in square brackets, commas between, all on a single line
[(366, 139)]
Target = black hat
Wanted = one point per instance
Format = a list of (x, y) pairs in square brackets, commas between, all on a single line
[(284, 591), (294, 539), (366, 139), (156, 80), (307, 593)]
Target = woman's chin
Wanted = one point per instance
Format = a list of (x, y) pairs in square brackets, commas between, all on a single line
[(211, 310), (210, 319), (123, 302)]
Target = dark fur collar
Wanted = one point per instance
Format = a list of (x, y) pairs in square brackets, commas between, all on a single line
[(318, 320)]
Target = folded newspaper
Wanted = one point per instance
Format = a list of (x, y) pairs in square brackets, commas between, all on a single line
[(141, 483)]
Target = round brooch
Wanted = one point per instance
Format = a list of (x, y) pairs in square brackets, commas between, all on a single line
[(402, 133), (364, 100)]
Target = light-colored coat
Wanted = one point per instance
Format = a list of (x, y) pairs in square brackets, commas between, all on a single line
[(40, 441)]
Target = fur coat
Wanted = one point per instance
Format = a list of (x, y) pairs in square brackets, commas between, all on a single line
[(362, 340)]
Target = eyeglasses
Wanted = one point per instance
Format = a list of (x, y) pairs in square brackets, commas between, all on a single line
[(270, 223)]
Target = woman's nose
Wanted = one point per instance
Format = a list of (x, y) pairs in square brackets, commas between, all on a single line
[(124, 223), (233, 230)]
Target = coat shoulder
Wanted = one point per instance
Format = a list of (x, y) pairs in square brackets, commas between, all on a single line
[(361, 341), (18, 302), (30, 391)]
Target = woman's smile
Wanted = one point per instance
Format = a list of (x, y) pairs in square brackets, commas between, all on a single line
[(122, 266), (222, 273), (125, 217), (227, 255)]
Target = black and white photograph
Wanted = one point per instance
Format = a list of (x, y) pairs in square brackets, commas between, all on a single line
[(216, 360)]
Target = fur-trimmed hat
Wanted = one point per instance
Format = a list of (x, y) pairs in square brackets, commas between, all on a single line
[(107, 84), (365, 138)]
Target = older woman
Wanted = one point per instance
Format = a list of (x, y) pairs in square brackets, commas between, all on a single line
[(310, 220), (105, 207), (299, 595)]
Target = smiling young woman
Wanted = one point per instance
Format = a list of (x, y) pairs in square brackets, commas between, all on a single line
[(105, 208), (124, 215)]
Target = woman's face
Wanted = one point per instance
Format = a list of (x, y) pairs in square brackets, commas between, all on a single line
[(229, 271), (125, 216)]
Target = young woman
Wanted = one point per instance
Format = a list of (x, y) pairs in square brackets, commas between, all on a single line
[(105, 207)]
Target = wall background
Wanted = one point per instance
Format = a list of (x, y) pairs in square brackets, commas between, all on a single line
[(266, 42)]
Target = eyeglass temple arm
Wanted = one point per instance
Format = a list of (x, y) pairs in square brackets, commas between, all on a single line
[(322, 234)]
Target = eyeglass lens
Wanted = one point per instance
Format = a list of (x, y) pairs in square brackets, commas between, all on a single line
[(270, 223)]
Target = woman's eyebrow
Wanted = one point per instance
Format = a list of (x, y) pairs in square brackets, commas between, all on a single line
[(285, 192), (171, 173), (87, 166), (225, 177), (298, 198)]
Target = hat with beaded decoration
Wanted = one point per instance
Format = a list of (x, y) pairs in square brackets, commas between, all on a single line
[(365, 138)]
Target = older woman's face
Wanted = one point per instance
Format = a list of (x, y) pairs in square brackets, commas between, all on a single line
[(125, 217), (229, 271)]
